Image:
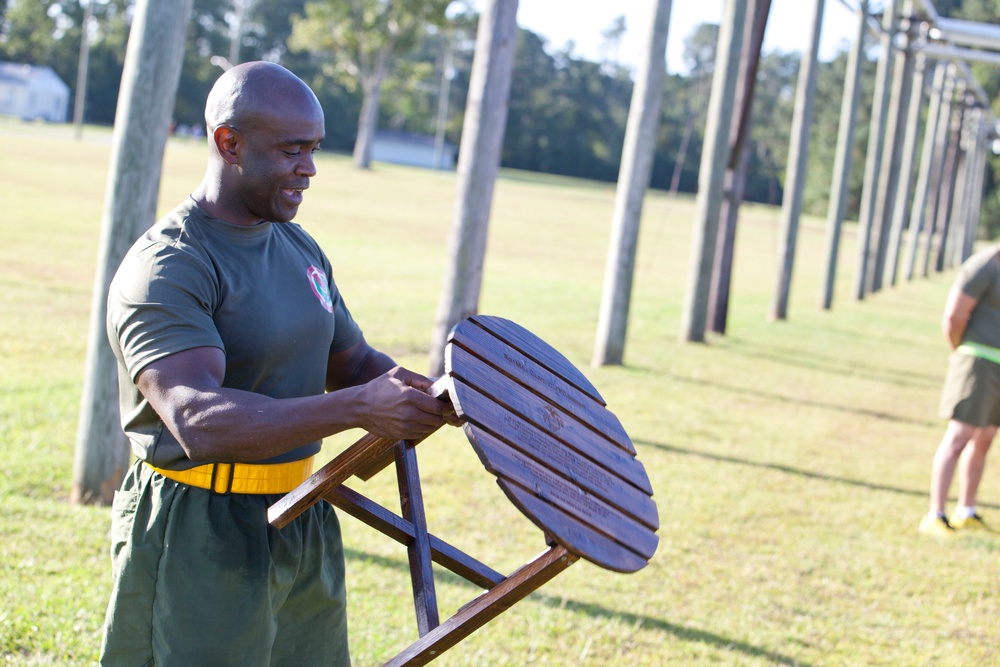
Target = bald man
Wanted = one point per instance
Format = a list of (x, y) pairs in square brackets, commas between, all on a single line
[(237, 355)]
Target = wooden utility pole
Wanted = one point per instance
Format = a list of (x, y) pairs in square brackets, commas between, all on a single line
[(948, 183), (798, 159), (633, 181), (928, 158), (966, 203), (711, 175), (82, 67), (956, 218), (478, 166), (873, 160), (444, 92), (889, 175), (904, 184), (142, 120), (736, 171), (938, 168), (976, 190), (842, 162)]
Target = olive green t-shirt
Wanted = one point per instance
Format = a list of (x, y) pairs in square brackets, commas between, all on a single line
[(264, 295), (979, 278)]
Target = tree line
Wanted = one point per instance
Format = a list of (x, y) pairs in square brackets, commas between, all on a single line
[(567, 114)]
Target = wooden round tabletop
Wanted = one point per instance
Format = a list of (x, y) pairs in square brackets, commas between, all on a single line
[(557, 452)]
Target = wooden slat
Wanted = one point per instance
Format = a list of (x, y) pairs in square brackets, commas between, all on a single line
[(491, 369), (507, 463), (540, 427), (577, 537), (577, 470), (372, 514), (518, 337), (485, 608)]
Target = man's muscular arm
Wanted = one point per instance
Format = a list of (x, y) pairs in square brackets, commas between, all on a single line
[(214, 423)]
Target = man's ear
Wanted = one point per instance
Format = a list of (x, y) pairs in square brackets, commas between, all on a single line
[(227, 142)]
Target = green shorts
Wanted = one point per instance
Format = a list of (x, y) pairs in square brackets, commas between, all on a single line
[(201, 579), (971, 391)]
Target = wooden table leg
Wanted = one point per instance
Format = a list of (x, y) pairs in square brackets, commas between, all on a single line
[(485, 608), (411, 503)]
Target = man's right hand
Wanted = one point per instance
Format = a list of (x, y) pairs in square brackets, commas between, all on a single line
[(396, 405)]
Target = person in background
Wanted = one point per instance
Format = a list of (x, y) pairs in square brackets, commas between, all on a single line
[(970, 399), (237, 355)]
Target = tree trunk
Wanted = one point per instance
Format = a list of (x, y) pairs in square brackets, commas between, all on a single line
[(478, 166), (368, 118), (142, 120)]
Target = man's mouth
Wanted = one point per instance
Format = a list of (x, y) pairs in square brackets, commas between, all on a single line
[(293, 194)]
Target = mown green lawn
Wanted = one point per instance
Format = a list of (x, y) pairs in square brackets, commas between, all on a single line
[(790, 460)]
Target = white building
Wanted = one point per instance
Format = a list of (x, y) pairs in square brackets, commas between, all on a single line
[(32, 93), (416, 150)]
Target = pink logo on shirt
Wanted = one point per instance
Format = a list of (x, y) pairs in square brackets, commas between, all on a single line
[(320, 287)]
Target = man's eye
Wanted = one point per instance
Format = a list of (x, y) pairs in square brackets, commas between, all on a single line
[(291, 153)]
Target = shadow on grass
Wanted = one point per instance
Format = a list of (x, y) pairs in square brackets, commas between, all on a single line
[(832, 364), (794, 471), (595, 611), (778, 398)]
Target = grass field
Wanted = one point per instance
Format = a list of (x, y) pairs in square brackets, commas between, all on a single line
[(789, 460)]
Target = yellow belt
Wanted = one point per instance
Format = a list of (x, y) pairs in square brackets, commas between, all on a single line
[(243, 477)]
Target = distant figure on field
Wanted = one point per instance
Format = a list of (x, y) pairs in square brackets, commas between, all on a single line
[(237, 355), (971, 395)]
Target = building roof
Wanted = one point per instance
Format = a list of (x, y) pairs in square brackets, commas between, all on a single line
[(30, 75)]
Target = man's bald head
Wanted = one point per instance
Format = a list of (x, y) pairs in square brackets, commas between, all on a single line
[(264, 124), (248, 93)]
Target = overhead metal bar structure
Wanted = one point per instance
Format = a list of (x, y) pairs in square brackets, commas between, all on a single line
[(923, 72), (920, 40)]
